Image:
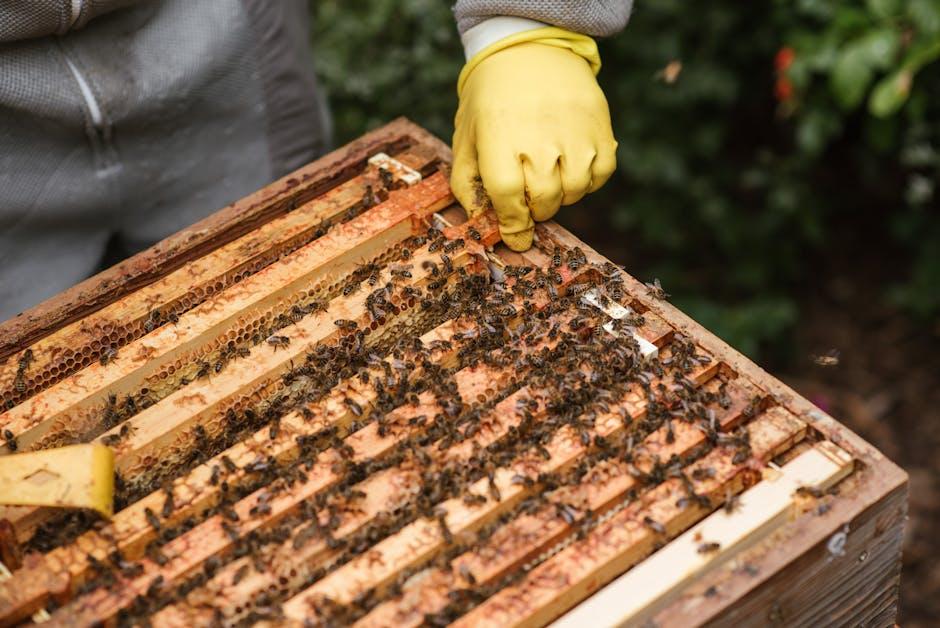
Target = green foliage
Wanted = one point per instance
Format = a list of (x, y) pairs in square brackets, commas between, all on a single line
[(380, 59), (790, 123)]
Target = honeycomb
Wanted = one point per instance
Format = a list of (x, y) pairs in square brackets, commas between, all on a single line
[(405, 438)]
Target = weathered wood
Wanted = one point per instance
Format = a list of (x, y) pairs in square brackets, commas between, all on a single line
[(634, 597), (216, 230), (161, 436), (77, 345), (74, 406), (419, 541), (528, 535), (66, 568), (304, 559), (568, 577), (516, 556), (775, 586), (188, 552), (878, 491)]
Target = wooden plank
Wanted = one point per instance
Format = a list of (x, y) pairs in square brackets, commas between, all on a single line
[(209, 538), (74, 346), (73, 407), (625, 538), (879, 495), (772, 584), (216, 230), (859, 594), (528, 535), (397, 485), (637, 595), (64, 569), (422, 539), (159, 437), (158, 430), (186, 553)]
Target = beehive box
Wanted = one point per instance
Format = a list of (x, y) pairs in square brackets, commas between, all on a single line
[(337, 401)]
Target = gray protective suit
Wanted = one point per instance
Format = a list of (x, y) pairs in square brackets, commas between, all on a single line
[(126, 120)]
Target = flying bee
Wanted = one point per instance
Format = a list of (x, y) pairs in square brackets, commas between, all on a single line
[(655, 290), (830, 358), (278, 341)]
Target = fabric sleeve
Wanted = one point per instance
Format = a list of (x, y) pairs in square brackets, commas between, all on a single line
[(589, 17), (26, 19)]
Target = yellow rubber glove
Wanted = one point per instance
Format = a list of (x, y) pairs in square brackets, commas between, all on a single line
[(532, 130)]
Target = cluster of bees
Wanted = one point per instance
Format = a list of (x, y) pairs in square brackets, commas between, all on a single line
[(22, 387), (534, 323)]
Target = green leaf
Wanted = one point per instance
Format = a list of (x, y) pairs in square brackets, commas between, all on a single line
[(855, 66), (850, 77), (884, 8), (925, 14), (879, 48), (815, 129), (890, 94)]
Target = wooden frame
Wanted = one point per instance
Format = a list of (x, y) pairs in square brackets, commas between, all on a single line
[(194, 404)]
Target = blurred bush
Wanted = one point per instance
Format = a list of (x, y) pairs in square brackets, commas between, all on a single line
[(755, 138)]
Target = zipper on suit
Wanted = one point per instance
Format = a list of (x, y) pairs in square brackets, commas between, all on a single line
[(99, 128)]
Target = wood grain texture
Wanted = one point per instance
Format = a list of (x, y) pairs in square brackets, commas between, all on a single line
[(877, 491), (220, 228), (793, 578)]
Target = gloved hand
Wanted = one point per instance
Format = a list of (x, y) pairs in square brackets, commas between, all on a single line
[(532, 128)]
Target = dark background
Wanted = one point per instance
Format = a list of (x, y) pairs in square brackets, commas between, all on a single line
[(778, 166)]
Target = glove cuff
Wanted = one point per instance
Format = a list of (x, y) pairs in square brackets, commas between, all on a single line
[(493, 29), (579, 44)]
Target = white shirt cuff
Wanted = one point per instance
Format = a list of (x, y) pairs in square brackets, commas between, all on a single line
[(491, 30)]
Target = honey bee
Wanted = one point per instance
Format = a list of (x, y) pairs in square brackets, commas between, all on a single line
[(655, 290), (278, 341), (108, 355)]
